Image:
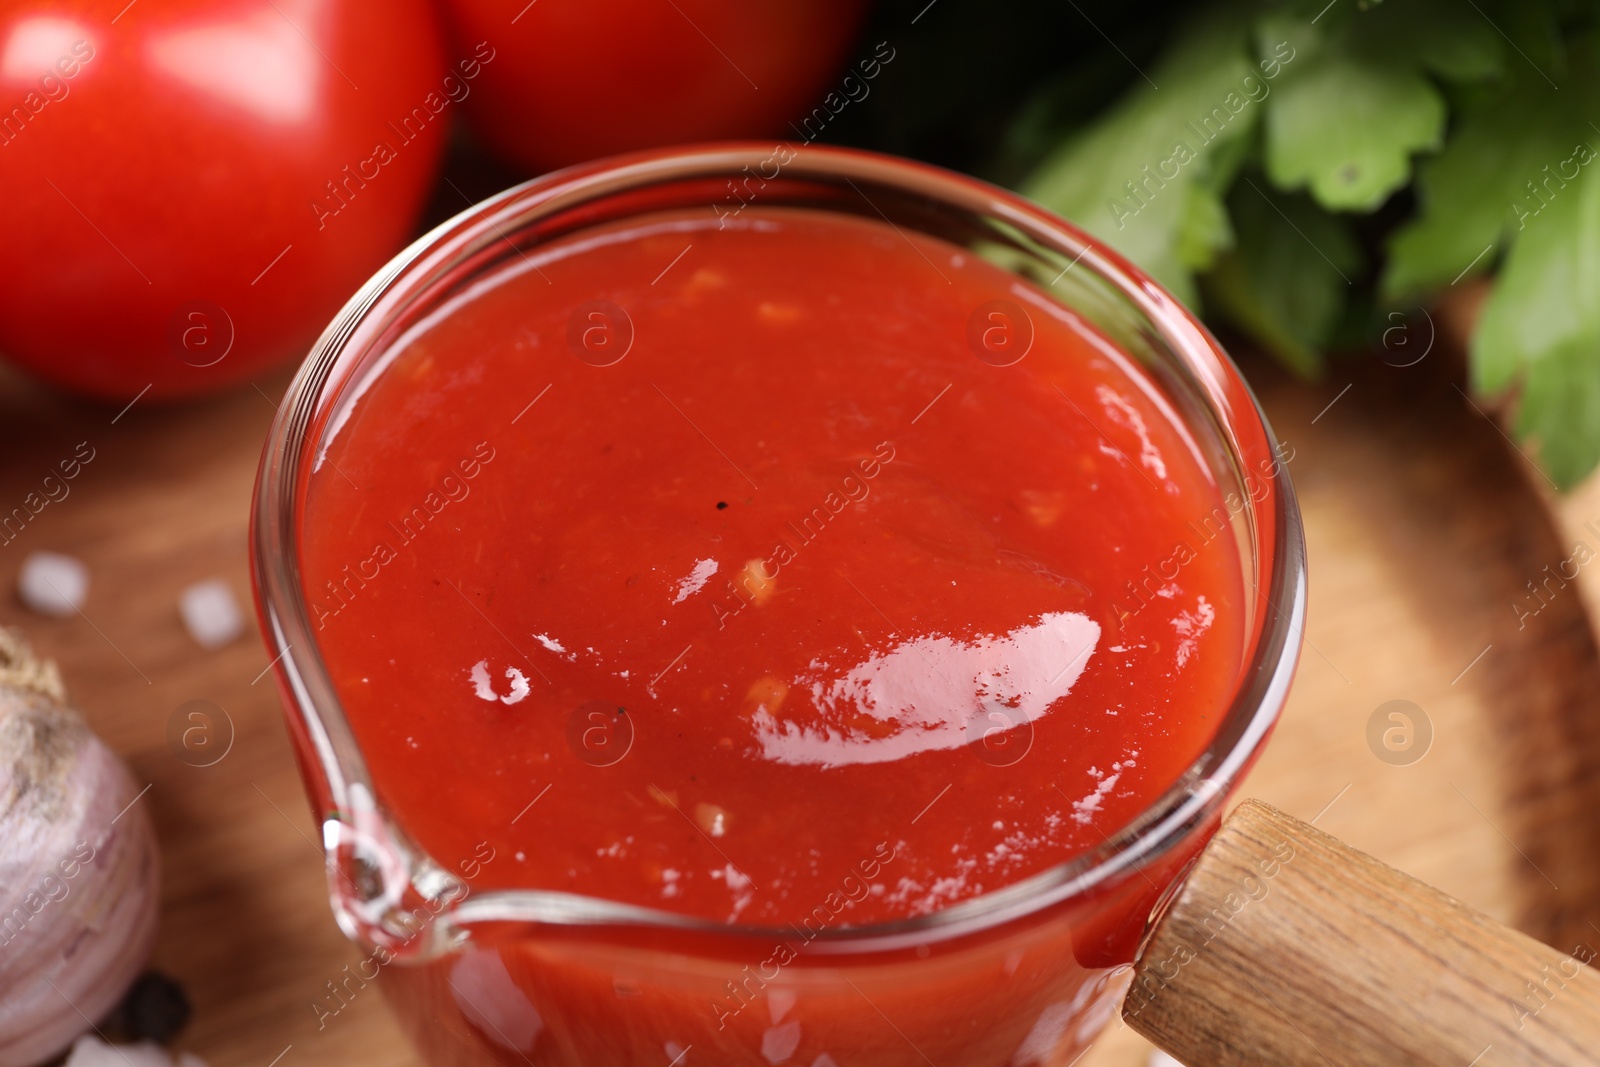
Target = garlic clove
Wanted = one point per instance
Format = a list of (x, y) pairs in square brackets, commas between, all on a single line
[(79, 868)]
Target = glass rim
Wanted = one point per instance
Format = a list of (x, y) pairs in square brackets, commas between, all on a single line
[(360, 837)]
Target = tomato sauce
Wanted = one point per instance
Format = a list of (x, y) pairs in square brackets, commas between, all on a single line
[(732, 570)]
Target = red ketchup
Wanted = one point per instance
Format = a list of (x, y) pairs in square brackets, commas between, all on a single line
[(794, 572)]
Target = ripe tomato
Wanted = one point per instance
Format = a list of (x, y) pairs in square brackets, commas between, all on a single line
[(582, 79), (189, 189)]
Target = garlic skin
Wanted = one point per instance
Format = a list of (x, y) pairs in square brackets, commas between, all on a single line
[(79, 868)]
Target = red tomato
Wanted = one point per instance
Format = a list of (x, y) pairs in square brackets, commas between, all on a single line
[(581, 79), (189, 189)]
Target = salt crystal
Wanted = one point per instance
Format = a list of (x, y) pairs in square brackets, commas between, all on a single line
[(211, 614), (189, 1059), (143, 1054), (53, 584), (90, 1051), (1161, 1059)]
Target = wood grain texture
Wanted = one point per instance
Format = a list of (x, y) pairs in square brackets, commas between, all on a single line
[(1286, 947), (245, 924), (1421, 530)]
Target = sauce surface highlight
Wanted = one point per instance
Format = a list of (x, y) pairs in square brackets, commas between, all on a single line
[(713, 570)]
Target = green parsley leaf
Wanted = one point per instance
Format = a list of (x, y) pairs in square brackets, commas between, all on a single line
[(1204, 230), (1360, 102), (1345, 126), (1560, 411), (1142, 177), (1533, 29), (1542, 321), (1469, 194), (1441, 36), (1544, 301), (1288, 279)]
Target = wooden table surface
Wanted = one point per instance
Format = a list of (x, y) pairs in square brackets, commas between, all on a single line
[(1422, 529)]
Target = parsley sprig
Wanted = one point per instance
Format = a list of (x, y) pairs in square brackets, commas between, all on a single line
[(1293, 168)]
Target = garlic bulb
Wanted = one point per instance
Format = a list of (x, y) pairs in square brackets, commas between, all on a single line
[(79, 870)]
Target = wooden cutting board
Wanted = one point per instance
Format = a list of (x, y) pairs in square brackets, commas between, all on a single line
[(1423, 529)]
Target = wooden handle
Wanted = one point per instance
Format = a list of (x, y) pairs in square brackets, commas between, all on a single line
[(1286, 948)]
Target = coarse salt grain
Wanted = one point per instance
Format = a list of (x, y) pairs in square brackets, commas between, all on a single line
[(1161, 1059), (211, 614), (53, 584), (90, 1051)]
